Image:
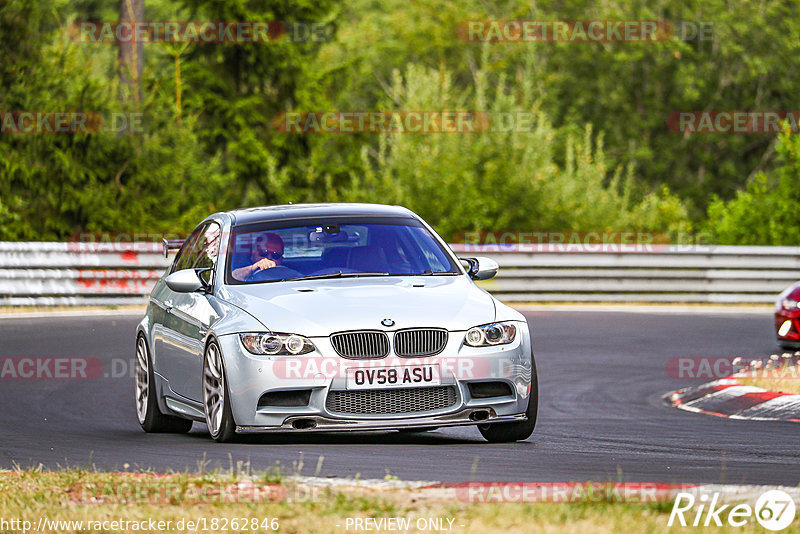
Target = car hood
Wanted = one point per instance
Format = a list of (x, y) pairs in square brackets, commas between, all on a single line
[(321, 307)]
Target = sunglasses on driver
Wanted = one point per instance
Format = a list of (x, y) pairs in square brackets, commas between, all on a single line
[(269, 254)]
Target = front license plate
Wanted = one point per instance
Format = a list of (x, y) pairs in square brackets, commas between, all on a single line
[(393, 377)]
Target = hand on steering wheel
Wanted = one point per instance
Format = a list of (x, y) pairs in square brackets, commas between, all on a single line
[(275, 273), (264, 263)]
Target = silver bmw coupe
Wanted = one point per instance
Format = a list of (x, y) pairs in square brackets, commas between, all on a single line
[(330, 317)]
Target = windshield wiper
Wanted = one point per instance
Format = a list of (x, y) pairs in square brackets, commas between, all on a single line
[(428, 272), (334, 274)]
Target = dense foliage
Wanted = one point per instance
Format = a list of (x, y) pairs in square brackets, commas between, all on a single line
[(598, 154)]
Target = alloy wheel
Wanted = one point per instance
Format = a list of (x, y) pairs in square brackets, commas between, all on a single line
[(213, 389), (142, 380)]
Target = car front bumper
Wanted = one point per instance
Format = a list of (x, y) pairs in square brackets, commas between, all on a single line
[(250, 376)]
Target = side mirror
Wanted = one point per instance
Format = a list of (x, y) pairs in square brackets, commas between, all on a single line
[(184, 281), (480, 268)]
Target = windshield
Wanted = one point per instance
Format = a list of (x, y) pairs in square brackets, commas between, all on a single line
[(334, 248)]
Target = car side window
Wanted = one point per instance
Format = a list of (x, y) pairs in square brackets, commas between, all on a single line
[(188, 253), (207, 251)]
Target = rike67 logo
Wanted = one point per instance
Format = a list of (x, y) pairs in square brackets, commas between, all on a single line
[(774, 510)]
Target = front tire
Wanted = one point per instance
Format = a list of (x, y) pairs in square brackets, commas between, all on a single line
[(216, 397), (150, 417), (507, 432)]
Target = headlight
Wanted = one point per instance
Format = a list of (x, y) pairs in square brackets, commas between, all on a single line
[(490, 335), (274, 344), (789, 304)]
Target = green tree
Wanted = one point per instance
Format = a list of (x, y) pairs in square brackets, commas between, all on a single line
[(504, 179), (626, 90), (765, 213), (58, 184)]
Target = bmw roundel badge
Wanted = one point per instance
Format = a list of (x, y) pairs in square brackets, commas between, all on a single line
[(387, 322)]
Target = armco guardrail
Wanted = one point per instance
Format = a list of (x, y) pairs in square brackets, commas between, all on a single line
[(42, 274), (66, 274), (638, 273)]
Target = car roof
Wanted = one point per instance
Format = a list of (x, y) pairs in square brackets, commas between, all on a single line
[(310, 211)]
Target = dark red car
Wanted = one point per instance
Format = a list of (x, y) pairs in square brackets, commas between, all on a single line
[(787, 317)]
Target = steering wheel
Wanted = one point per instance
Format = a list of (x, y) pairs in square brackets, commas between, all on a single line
[(275, 273)]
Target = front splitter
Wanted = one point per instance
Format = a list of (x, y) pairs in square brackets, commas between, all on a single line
[(313, 423)]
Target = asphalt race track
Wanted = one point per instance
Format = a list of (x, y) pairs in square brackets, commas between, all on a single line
[(602, 375)]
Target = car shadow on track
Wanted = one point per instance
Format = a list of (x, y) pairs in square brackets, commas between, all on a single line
[(339, 438)]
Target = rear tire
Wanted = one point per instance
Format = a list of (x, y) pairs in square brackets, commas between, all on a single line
[(150, 417), (216, 397), (507, 432)]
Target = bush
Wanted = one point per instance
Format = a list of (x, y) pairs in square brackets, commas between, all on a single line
[(503, 180), (765, 213)]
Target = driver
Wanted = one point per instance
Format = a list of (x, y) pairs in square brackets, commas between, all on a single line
[(265, 253)]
